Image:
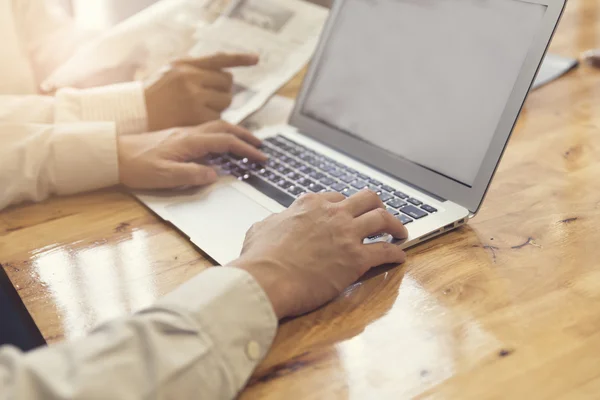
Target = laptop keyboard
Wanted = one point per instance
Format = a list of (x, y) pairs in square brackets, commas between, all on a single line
[(294, 169)]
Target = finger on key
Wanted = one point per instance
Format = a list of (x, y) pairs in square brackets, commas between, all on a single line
[(379, 221), (225, 127)]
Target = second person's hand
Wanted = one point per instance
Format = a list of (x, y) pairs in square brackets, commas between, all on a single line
[(166, 159), (192, 91)]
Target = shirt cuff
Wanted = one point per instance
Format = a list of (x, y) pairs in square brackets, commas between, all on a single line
[(84, 161), (235, 311), (123, 104)]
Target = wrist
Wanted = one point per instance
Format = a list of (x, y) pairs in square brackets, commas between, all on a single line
[(265, 273), (149, 111)]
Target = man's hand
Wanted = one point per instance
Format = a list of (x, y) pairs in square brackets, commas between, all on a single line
[(192, 91), (308, 254), (165, 159), (592, 57)]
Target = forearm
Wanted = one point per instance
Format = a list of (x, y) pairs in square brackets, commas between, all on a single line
[(38, 160), (201, 341)]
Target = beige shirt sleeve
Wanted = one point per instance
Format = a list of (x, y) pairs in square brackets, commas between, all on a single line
[(64, 144), (200, 342)]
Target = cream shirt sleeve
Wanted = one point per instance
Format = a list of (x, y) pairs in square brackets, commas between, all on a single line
[(64, 144), (200, 342)]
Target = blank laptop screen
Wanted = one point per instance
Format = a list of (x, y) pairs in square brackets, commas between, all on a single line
[(426, 80)]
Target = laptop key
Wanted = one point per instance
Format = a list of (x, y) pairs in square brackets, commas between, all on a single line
[(338, 187), (428, 208), (396, 203), (375, 182), (294, 164), (295, 151), (388, 188), (285, 159), (336, 173), (316, 175), (414, 201), (305, 169), (283, 198), (414, 212), (296, 190), (284, 184), (314, 162), (404, 219), (325, 167), (401, 195), (374, 189), (347, 178), (304, 182), (327, 181), (283, 170), (359, 184), (294, 176), (392, 211), (385, 196), (315, 187), (349, 192), (363, 176)]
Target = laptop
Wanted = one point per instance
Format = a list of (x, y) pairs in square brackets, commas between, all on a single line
[(17, 328), (413, 99)]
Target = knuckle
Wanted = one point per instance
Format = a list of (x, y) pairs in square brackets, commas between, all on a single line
[(387, 248), (308, 198), (333, 212), (383, 215), (227, 137)]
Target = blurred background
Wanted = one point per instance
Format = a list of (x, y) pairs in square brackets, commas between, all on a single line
[(99, 14)]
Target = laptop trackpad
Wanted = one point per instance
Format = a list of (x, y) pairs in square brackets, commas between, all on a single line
[(218, 221)]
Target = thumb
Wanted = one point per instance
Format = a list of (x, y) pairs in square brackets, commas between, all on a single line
[(190, 174)]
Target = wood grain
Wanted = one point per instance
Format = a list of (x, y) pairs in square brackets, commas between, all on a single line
[(506, 307)]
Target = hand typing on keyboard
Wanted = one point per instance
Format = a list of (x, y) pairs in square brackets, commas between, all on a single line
[(294, 169), (319, 249), (164, 159)]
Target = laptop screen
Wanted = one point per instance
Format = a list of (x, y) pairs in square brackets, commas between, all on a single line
[(16, 325), (426, 80)]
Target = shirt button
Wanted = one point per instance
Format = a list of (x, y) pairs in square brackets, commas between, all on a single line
[(253, 350)]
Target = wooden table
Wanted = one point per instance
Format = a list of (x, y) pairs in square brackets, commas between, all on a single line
[(506, 307)]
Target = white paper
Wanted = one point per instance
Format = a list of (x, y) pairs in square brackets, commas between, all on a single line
[(283, 32), (140, 45), (552, 68), (277, 111)]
